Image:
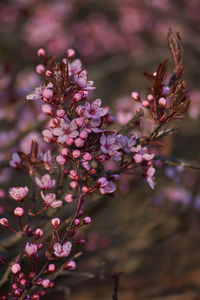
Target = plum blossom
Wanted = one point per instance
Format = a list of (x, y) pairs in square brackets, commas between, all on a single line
[(81, 80), (94, 110), (50, 200), (45, 182), (109, 145), (18, 193), (62, 250), (65, 130), (106, 186), (75, 66)]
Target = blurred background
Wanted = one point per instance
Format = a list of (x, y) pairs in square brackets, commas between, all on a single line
[(152, 237)]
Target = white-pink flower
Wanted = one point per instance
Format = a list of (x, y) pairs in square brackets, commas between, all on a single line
[(30, 249), (45, 182), (18, 193), (50, 200), (62, 250)]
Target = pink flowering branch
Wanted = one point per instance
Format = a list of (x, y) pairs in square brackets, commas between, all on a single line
[(78, 131)]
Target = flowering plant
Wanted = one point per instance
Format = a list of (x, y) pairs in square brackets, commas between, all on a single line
[(82, 143)]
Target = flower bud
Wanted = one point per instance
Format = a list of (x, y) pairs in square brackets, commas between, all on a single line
[(135, 96), (145, 103), (47, 110), (41, 52), (79, 142), (38, 233), (87, 156), (18, 212), (73, 184), (47, 93), (60, 160), (40, 69), (69, 141), (83, 134), (65, 152), (69, 198), (87, 220), (76, 153), (45, 283), (15, 268), (60, 113), (162, 101), (76, 222), (51, 268), (70, 265), (70, 53), (150, 97), (4, 222), (55, 223)]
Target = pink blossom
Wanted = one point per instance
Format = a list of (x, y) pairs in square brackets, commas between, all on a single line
[(37, 95), (75, 66), (109, 188), (62, 250), (45, 182), (15, 268), (94, 110), (18, 193), (109, 145), (81, 80), (50, 200), (30, 249)]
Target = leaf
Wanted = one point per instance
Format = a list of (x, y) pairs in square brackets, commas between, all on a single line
[(176, 49)]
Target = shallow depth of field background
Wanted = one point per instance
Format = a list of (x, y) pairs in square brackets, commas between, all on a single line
[(152, 237)]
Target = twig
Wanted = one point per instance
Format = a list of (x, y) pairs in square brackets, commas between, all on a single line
[(116, 277)]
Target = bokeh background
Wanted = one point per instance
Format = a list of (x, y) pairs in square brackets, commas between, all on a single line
[(152, 237)]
